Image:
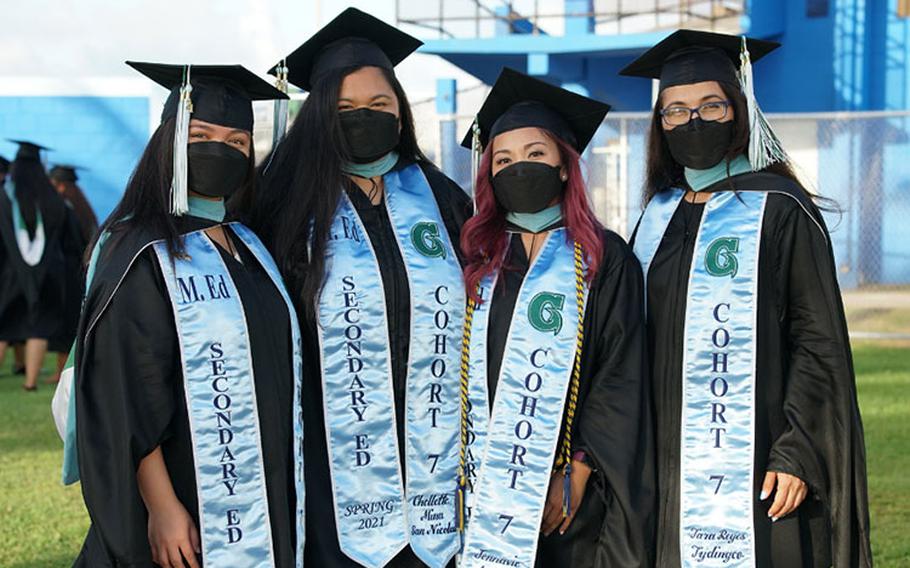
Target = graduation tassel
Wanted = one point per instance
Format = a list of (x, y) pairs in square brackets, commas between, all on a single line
[(179, 197), (476, 153), (764, 147), (280, 116)]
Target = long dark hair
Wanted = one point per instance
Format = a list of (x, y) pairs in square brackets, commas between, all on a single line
[(35, 192), (664, 172), (301, 184), (146, 202)]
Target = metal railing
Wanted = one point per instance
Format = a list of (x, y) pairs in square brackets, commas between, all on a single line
[(455, 19), (857, 159)]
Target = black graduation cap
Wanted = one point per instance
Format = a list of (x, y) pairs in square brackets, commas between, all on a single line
[(28, 150), (352, 39), (518, 101), (691, 56), (64, 172), (4, 165), (222, 94)]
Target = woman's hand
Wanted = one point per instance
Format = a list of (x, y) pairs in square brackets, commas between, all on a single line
[(173, 536), (791, 492), (552, 512)]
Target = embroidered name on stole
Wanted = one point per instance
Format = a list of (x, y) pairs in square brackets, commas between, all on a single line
[(717, 493), (508, 485), (376, 515)]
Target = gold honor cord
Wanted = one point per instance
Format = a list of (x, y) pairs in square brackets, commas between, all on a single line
[(564, 461), (566, 457), (460, 494)]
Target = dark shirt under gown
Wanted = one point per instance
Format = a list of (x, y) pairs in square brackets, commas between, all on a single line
[(130, 399), (804, 382), (455, 208), (615, 521)]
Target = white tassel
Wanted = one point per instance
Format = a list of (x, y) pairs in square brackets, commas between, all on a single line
[(764, 147), (476, 153), (179, 191), (280, 118)]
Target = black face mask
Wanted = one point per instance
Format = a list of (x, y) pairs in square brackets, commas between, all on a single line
[(527, 187), (215, 169), (699, 144), (370, 134)]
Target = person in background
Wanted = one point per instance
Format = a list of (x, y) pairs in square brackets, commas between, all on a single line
[(559, 450), (8, 290), (64, 179), (760, 448), (187, 358), (365, 229), (37, 231)]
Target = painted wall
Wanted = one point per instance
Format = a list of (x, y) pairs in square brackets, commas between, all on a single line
[(105, 135)]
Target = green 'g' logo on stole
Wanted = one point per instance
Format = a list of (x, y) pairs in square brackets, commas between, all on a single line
[(545, 311), (720, 259), (425, 236)]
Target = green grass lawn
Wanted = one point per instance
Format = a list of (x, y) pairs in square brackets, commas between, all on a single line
[(42, 523)]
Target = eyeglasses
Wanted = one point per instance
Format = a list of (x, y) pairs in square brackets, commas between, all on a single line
[(709, 112)]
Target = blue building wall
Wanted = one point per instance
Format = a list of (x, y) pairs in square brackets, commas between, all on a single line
[(853, 56), (835, 55), (105, 135)]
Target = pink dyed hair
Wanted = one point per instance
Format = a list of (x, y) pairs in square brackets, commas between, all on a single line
[(484, 239)]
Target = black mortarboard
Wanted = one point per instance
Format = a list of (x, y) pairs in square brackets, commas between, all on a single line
[(28, 150), (4, 165), (64, 172), (518, 101), (352, 39), (690, 56), (222, 94)]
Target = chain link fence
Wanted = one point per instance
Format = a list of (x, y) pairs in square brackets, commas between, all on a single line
[(861, 161)]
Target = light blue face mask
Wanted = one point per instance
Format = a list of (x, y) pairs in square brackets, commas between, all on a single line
[(378, 168), (700, 179), (536, 222), (210, 209)]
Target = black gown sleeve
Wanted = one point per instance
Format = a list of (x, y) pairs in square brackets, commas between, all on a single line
[(125, 405), (614, 427), (822, 443)]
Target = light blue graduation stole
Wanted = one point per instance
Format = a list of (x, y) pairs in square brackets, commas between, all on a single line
[(221, 401), (508, 485), (376, 515), (717, 439)]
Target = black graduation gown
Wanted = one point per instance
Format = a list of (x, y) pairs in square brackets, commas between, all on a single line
[(130, 398), (807, 418), (33, 298), (455, 207), (74, 284), (614, 525)]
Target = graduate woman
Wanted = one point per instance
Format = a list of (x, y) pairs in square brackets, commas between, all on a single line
[(760, 445), (558, 467), (187, 356), (41, 249), (364, 230)]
